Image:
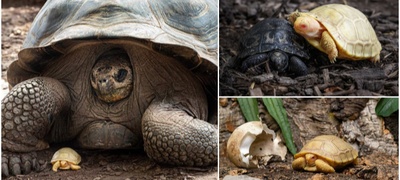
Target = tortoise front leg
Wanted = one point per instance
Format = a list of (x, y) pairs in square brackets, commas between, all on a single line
[(329, 45), (254, 60), (324, 167), (28, 112), (172, 136), (299, 163)]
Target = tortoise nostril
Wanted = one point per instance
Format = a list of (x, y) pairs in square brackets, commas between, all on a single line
[(101, 81)]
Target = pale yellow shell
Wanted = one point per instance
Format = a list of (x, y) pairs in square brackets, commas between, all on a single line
[(66, 154), (354, 35), (333, 150)]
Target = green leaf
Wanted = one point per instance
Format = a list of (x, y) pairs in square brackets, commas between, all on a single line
[(278, 112), (249, 107), (387, 106)]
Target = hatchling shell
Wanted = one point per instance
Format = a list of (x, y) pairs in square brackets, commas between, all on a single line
[(66, 154), (351, 30), (333, 150), (272, 34)]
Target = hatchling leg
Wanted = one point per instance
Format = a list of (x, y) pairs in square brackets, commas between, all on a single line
[(172, 136), (328, 44), (324, 167), (254, 61), (299, 163), (297, 66), (376, 58), (28, 112)]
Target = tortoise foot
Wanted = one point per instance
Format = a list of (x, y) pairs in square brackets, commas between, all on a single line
[(297, 66), (172, 136), (19, 163)]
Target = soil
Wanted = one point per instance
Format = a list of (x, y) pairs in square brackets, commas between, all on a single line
[(17, 17), (115, 164), (343, 78)]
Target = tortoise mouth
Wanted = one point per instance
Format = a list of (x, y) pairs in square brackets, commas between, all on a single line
[(112, 76)]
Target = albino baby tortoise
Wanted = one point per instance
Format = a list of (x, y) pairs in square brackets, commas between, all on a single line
[(325, 153), (338, 30), (66, 158)]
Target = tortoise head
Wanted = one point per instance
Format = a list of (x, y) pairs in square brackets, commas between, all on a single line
[(112, 77), (310, 159), (306, 25)]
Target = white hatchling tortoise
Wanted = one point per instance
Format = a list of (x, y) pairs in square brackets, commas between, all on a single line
[(65, 158), (115, 75), (340, 31), (273, 41), (325, 153)]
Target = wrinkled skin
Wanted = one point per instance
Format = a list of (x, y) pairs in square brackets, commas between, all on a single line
[(166, 110)]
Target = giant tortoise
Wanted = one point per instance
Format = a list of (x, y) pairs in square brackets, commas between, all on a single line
[(115, 75)]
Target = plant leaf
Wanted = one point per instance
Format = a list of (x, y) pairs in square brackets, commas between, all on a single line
[(249, 107), (387, 106), (278, 112)]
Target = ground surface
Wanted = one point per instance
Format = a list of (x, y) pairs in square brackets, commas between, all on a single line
[(344, 78), (118, 164), (16, 20)]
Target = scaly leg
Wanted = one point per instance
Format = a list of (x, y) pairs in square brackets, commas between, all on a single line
[(172, 136), (28, 112), (324, 167), (328, 44), (299, 163)]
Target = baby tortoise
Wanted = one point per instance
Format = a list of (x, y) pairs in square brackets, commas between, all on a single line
[(338, 30), (66, 158), (325, 153), (273, 41)]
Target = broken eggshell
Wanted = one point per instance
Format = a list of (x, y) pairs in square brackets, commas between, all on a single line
[(253, 144)]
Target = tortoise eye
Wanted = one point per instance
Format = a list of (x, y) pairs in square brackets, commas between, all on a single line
[(121, 75), (314, 157)]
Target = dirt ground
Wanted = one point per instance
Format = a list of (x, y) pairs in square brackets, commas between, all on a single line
[(17, 17), (343, 78), (311, 117)]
